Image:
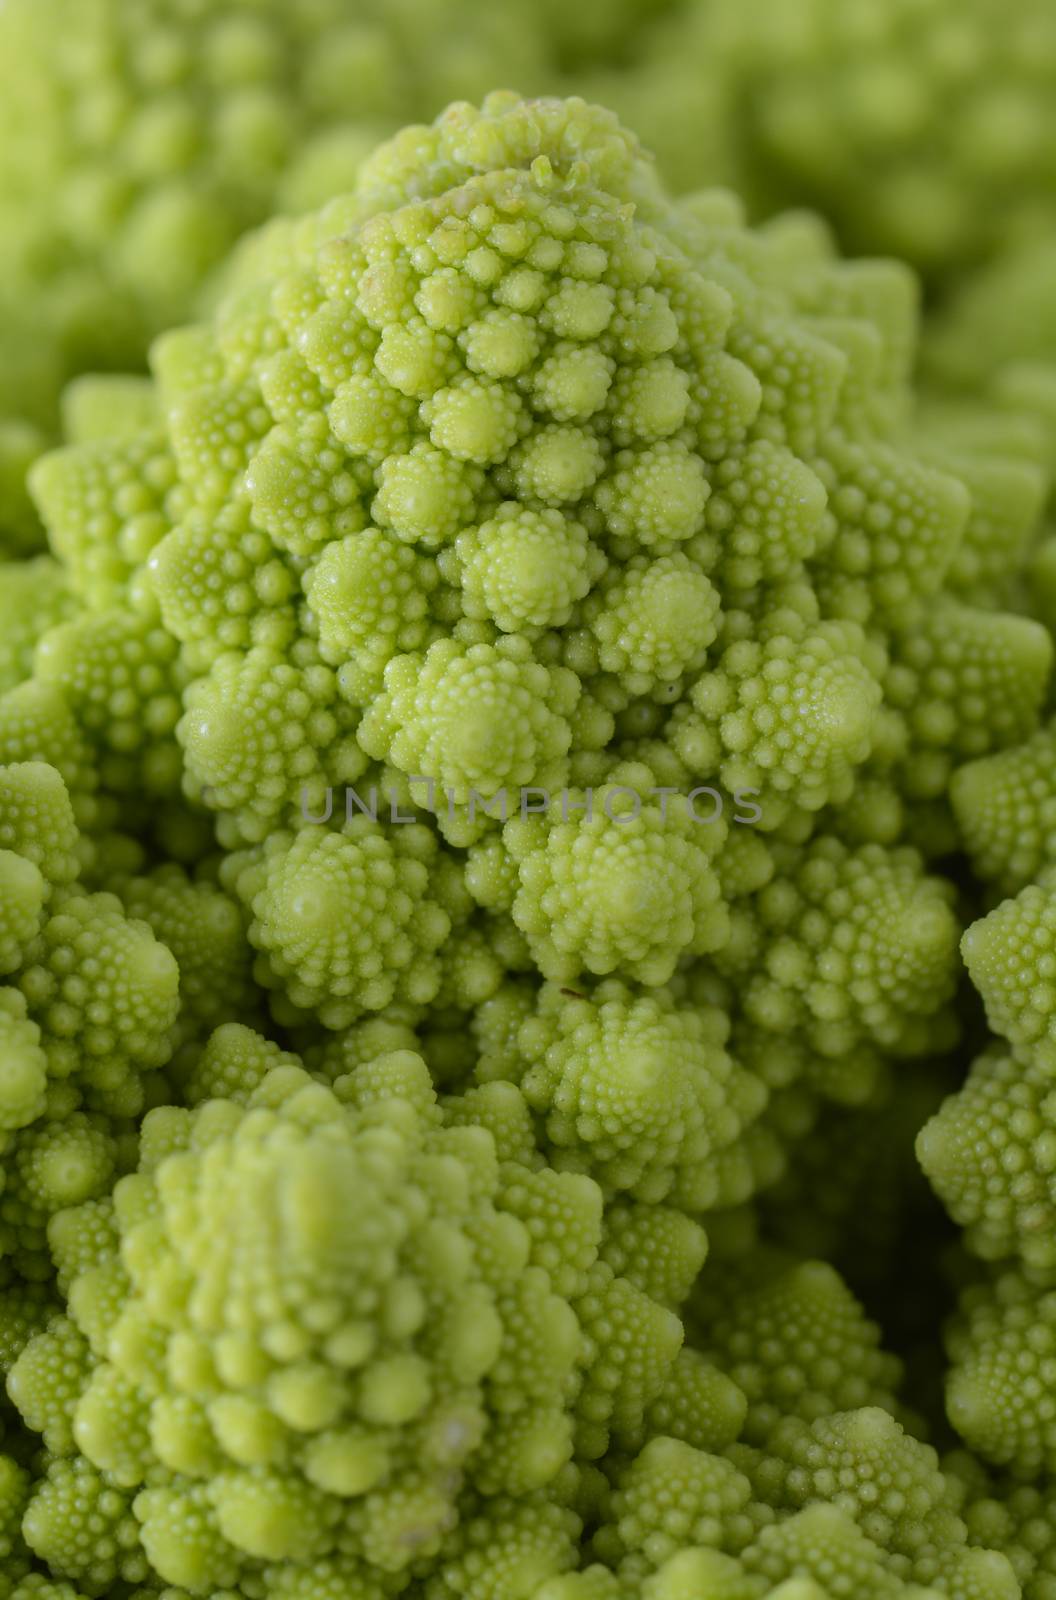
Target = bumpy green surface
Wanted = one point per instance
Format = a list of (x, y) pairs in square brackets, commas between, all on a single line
[(374, 1347), (919, 128), (482, 762), (503, 490)]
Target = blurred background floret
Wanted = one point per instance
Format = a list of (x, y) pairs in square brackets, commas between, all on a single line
[(137, 141)]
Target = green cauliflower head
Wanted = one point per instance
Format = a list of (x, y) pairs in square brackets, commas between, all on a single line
[(317, 1324)]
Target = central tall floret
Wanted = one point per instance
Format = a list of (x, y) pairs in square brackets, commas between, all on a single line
[(464, 449), (510, 492), (470, 428)]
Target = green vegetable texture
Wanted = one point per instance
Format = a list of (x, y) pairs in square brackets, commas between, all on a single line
[(526, 787), (923, 129)]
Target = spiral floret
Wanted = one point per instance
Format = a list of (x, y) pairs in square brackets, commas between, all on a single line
[(861, 945), (612, 882), (346, 920), (322, 1302)]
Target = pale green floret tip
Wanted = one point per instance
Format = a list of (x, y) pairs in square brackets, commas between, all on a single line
[(105, 503), (34, 596), (22, 892), (990, 1154), (557, 465), (371, 598), (475, 421), (121, 679), (794, 716), (252, 733), (795, 1339), (425, 496), (37, 821), (1005, 807), (637, 1089), (616, 884), (965, 682), (90, 1016), (118, 1017), (572, 384), (346, 921), (477, 718), (654, 621), (997, 1385), (872, 1469), (1009, 954), (525, 569), (655, 496), (22, 1091), (861, 945)]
